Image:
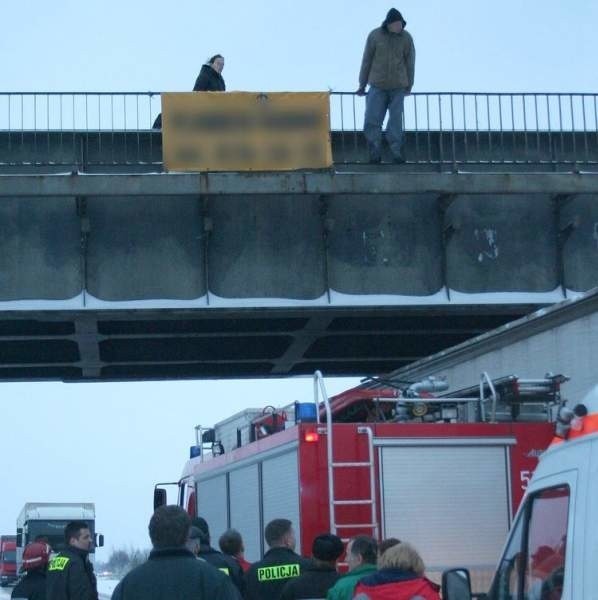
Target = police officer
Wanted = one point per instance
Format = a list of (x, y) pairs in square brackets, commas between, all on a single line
[(266, 578), (70, 573)]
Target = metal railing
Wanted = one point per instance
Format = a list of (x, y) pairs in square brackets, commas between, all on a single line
[(104, 128)]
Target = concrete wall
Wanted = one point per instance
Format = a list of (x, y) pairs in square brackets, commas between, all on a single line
[(294, 247), (501, 244), (40, 249), (140, 248)]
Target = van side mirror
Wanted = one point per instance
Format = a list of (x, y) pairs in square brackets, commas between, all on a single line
[(160, 497), (100, 540), (20, 537), (456, 585)]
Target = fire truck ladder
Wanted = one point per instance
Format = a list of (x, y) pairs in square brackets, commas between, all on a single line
[(333, 465)]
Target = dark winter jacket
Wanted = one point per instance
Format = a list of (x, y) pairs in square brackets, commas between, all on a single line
[(266, 578), (314, 582), (227, 564), (388, 60), (395, 584), (209, 80), (70, 576), (173, 574), (32, 586)]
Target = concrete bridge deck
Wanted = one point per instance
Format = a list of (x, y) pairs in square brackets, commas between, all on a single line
[(112, 269)]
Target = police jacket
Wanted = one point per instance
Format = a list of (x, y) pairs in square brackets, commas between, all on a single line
[(32, 586), (266, 578), (227, 564), (173, 574), (209, 80), (314, 582), (71, 577)]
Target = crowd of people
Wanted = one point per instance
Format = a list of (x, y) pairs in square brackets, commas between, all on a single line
[(183, 565)]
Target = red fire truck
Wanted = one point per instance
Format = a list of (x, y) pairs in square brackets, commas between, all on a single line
[(443, 471)]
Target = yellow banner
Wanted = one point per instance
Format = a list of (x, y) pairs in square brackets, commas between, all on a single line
[(246, 131)]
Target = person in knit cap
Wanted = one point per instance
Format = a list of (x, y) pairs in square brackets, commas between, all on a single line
[(317, 578), (388, 67)]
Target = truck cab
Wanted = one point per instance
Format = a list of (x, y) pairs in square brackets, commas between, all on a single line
[(552, 549), (46, 521), (8, 560)]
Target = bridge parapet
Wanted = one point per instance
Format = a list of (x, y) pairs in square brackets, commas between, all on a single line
[(535, 131)]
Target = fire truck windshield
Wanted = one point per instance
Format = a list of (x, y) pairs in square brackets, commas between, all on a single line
[(9, 556)]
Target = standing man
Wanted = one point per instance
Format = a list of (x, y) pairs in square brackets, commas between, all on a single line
[(388, 66), (231, 543), (362, 554), (70, 573), (266, 578), (171, 571)]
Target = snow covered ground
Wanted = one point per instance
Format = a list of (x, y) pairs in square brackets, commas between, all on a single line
[(106, 587), (5, 592)]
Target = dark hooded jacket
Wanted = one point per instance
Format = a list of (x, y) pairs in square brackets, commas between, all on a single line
[(32, 586), (173, 574), (209, 80), (314, 582), (70, 576)]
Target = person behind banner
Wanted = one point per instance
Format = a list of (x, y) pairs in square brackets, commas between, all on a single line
[(210, 77), (209, 80)]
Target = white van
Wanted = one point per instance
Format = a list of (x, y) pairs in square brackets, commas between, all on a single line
[(552, 549)]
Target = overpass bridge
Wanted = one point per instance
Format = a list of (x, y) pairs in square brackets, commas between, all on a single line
[(112, 269)]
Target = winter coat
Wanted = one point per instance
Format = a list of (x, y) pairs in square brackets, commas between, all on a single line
[(244, 564), (172, 574), (395, 584), (314, 582), (388, 60), (32, 586), (343, 589), (227, 564), (209, 80), (70, 576), (266, 578)]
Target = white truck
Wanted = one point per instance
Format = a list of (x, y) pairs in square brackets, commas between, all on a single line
[(47, 520), (552, 549)]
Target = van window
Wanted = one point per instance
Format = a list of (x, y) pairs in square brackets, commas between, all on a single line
[(547, 544), (532, 566)]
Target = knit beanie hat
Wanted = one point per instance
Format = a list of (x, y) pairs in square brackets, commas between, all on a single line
[(327, 547)]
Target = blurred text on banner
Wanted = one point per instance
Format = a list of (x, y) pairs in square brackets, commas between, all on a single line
[(246, 131)]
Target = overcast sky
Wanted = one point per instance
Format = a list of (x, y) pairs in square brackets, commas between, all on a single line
[(109, 443)]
